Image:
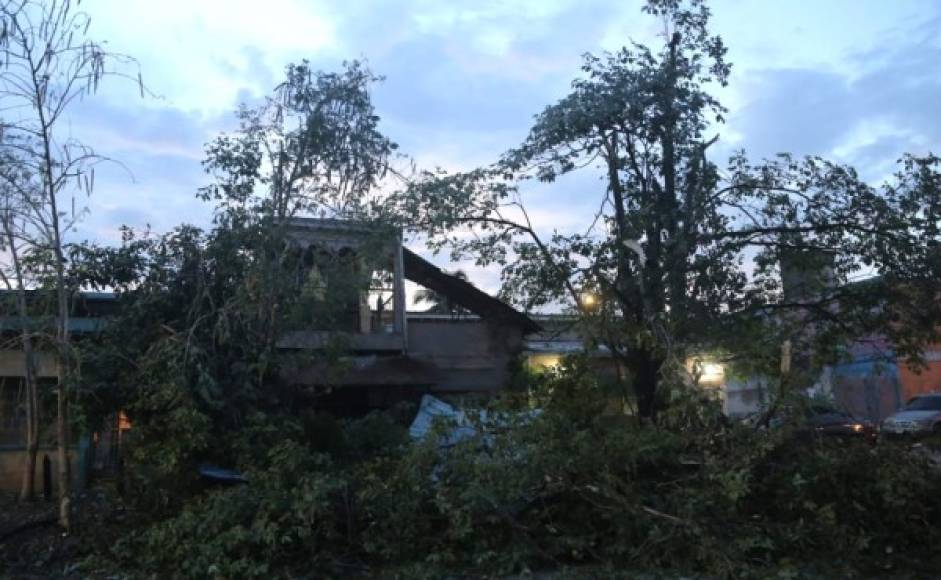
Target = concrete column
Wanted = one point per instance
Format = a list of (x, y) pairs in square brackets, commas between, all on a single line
[(365, 316), (399, 288)]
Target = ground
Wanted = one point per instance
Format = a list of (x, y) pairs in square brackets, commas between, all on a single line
[(32, 544)]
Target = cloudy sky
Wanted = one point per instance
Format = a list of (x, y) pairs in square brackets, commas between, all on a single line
[(854, 80)]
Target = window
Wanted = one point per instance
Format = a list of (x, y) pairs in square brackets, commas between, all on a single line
[(924, 404)]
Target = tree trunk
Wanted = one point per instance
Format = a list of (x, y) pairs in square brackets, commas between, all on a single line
[(63, 364), (62, 406), (51, 190), (27, 493), (646, 369), (29, 464), (783, 384)]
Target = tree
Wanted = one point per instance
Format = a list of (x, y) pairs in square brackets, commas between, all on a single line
[(312, 148), (48, 64), (15, 242), (682, 255), (201, 312)]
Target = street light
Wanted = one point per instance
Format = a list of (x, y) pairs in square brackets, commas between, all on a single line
[(588, 300)]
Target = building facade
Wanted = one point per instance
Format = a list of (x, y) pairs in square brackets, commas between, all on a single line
[(390, 354)]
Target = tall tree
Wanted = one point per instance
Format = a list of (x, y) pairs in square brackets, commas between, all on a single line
[(313, 148), (48, 63), (15, 243), (679, 252), (202, 311)]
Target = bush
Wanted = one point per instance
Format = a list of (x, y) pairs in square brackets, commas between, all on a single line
[(285, 518), (573, 486)]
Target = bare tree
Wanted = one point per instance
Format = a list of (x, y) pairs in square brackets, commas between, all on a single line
[(14, 242), (48, 63)]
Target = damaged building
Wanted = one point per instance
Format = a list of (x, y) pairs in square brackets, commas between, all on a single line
[(389, 353), (393, 353)]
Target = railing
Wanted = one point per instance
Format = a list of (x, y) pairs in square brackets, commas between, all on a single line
[(382, 322)]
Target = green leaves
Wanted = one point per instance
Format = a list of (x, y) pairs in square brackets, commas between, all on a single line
[(576, 484), (637, 118), (313, 148), (684, 256)]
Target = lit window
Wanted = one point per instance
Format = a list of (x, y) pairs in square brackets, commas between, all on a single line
[(544, 361), (706, 372)]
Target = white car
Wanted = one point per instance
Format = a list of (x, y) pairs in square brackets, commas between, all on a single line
[(921, 416)]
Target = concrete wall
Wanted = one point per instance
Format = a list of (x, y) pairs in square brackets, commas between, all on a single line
[(447, 356), (745, 396), (868, 389), (12, 459), (922, 380), (12, 364), (875, 388), (471, 354)]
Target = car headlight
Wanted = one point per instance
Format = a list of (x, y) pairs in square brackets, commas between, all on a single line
[(856, 427)]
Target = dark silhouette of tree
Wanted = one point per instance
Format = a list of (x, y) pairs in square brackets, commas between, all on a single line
[(681, 254)]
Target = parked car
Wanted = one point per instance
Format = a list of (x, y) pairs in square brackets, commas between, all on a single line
[(833, 422), (824, 421), (921, 416)]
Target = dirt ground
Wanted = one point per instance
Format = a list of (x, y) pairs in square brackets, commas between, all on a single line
[(32, 545)]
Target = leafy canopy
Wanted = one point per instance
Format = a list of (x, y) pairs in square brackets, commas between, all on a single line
[(682, 254)]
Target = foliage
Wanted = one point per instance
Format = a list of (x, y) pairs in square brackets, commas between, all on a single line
[(573, 486), (192, 353), (313, 148), (681, 255), (189, 377), (48, 63), (285, 519)]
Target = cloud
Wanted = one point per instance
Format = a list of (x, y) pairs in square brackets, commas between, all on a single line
[(855, 81), (803, 111), (202, 54), (867, 116), (156, 171)]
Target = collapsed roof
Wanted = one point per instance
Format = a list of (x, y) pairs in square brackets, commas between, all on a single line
[(424, 273)]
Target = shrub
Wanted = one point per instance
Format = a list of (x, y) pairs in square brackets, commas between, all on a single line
[(285, 519), (574, 485)]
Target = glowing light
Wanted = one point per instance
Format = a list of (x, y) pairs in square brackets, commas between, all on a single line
[(544, 361), (707, 372), (712, 372), (588, 300)]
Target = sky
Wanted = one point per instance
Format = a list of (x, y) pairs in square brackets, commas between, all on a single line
[(855, 81)]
